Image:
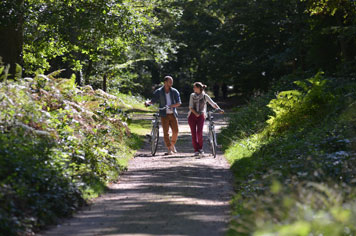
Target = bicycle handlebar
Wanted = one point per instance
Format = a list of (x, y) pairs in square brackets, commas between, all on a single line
[(216, 110), (163, 108), (160, 109)]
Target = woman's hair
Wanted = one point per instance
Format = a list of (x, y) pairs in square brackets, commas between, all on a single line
[(200, 85)]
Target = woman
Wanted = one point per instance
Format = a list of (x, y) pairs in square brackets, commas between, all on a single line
[(197, 114)]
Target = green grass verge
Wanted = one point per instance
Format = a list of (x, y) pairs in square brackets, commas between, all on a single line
[(134, 103), (295, 177), (140, 127)]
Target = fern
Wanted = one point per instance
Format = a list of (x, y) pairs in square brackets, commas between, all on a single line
[(54, 74), (292, 107)]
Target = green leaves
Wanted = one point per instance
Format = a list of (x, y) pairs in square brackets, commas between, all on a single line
[(76, 34), (296, 107), (294, 175), (57, 145), (4, 72)]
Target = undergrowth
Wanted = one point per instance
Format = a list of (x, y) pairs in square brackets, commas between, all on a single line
[(294, 159), (60, 146)]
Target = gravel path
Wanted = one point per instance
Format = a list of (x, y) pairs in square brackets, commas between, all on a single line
[(161, 195)]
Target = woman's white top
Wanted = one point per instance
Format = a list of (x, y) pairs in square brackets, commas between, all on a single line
[(198, 103)]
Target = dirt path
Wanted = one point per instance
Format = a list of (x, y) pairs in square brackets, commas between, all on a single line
[(162, 195)]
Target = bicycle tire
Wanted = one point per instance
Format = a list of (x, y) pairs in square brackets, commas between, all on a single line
[(215, 144), (154, 140), (212, 141)]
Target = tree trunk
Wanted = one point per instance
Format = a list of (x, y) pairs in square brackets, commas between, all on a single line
[(104, 82), (11, 38), (87, 73)]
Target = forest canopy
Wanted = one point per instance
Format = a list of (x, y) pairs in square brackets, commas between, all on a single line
[(129, 45)]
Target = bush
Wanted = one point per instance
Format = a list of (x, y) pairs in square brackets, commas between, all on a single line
[(295, 174), (294, 108), (59, 145)]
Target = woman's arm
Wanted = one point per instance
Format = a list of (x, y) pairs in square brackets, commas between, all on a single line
[(211, 102), (194, 112)]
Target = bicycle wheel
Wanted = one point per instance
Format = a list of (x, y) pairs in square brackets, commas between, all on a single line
[(154, 140), (212, 141)]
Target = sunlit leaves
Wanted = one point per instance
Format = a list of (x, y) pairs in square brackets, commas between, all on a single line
[(331, 7), (299, 179), (57, 141), (84, 32)]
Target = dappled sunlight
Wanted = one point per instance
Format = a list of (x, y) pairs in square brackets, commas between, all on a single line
[(177, 194)]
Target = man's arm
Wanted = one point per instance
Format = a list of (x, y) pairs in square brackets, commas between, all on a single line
[(154, 99), (176, 98), (175, 105)]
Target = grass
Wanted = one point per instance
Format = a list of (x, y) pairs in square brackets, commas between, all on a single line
[(133, 103), (140, 127)]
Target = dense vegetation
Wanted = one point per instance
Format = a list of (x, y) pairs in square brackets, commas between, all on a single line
[(62, 137), (131, 44), (59, 145), (293, 156)]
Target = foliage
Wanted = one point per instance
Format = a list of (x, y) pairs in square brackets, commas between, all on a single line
[(250, 44), (92, 36), (59, 144), (292, 108), (246, 121), (295, 174)]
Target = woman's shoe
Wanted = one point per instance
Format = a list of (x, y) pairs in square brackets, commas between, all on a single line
[(173, 148), (196, 153)]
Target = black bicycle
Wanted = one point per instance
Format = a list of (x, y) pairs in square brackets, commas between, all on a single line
[(212, 134), (154, 136)]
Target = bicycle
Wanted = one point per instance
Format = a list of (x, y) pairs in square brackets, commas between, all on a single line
[(211, 132), (154, 136)]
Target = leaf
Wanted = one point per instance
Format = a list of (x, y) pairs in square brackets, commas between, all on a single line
[(55, 74), (6, 73), (18, 72)]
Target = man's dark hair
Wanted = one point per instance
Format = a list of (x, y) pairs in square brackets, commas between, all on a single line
[(167, 77)]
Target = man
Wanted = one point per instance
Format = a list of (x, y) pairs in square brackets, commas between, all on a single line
[(168, 96)]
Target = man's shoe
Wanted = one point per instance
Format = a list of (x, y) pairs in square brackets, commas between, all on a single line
[(169, 152)]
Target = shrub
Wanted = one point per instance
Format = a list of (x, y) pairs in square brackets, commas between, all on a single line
[(59, 143), (295, 175)]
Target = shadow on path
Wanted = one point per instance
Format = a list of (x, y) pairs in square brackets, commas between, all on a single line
[(161, 195)]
